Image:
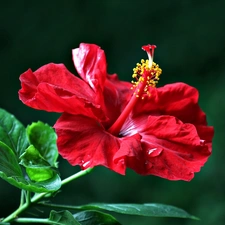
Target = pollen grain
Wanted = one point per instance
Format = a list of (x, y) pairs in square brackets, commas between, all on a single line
[(143, 74)]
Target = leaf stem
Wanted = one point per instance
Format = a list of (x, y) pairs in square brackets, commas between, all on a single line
[(37, 197), (59, 206), (76, 175), (33, 220), (63, 182), (22, 197), (13, 215), (28, 197)]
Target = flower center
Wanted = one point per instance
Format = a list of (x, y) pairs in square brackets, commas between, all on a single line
[(146, 74)]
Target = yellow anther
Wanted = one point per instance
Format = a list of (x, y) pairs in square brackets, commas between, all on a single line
[(151, 78)]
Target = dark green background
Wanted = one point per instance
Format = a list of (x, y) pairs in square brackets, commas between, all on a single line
[(190, 36)]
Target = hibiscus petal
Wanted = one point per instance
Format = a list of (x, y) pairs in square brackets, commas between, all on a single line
[(53, 88), (206, 134), (116, 96), (90, 63), (178, 99), (130, 153), (182, 153), (111, 93), (169, 127), (173, 150), (83, 141)]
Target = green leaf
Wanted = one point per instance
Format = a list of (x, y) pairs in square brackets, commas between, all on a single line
[(37, 168), (13, 142), (8, 162), (12, 133), (63, 218), (40, 157), (39, 174), (43, 138), (95, 217), (50, 185), (11, 172), (148, 209), (32, 158), (153, 210)]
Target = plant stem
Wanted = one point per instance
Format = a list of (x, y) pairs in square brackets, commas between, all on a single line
[(34, 220), (76, 175), (28, 196), (63, 182), (13, 215), (22, 197), (37, 197), (52, 205)]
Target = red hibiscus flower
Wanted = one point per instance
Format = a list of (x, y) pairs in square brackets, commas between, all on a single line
[(119, 125)]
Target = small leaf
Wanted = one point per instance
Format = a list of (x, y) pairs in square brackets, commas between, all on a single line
[(8, 162), (63, 218), (10, 171), (153, 210), (37, 168), (39, 174), (13, 142), (12, 133), (32, 158), (50, 185), (95, 217), (43, 138)]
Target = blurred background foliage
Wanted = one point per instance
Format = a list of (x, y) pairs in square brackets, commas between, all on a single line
[(190, 36)]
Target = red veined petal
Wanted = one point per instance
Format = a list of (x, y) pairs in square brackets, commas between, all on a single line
[(111, 93), (116, 96), (170, 128), (178, 99), (182, 151), (131, 153), (173, 150), (53, 88), (90, 63), (83, 141)]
